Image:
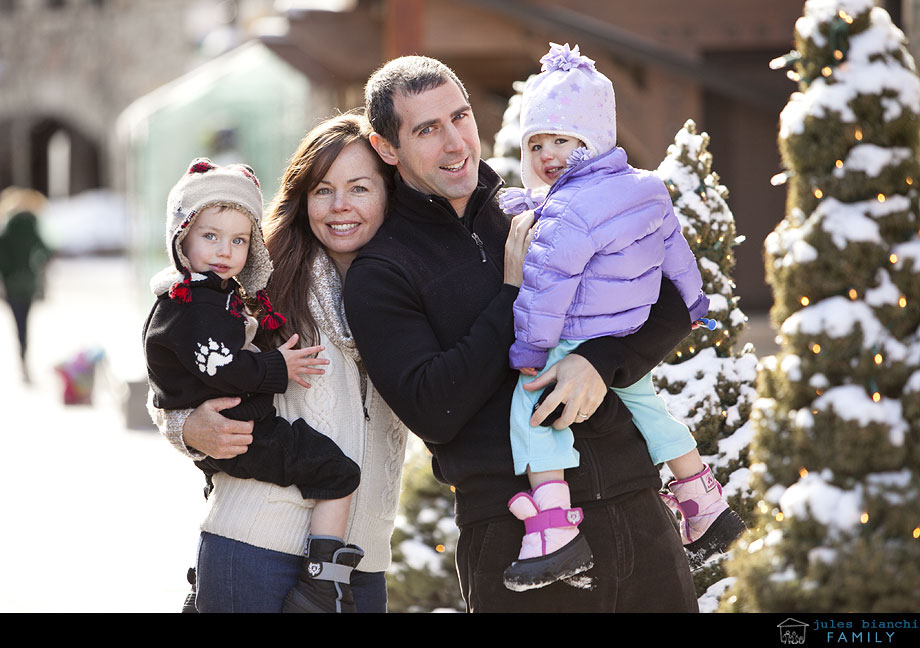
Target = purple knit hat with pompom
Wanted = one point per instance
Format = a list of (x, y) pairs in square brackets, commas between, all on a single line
[(569, 97)]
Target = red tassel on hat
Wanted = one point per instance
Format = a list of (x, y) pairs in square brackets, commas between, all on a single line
[(272, 320), (236, 306), (181, 290)]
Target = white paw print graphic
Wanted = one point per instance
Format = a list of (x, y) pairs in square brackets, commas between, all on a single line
[(212, 355)]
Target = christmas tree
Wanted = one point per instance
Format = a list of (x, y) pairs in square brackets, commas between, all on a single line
[(506, 150), (706, 382), (836, 453)]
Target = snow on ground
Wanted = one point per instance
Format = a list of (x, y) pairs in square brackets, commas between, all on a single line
[(94, 517), (90, 221)]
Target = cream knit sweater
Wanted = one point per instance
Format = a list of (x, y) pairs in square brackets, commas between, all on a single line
[(278, 518)]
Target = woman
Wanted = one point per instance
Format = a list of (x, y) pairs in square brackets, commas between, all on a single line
[(23, 256), (332, 200)]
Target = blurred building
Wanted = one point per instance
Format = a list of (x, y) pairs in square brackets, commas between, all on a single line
[(669, 61), (69, 68), (244, 106)]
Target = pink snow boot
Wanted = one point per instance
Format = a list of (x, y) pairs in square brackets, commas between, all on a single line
[(552, 548), (707, 524)]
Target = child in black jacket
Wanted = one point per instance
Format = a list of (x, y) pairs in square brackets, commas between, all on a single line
[(198, 346)]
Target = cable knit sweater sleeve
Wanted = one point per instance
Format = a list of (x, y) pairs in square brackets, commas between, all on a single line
[(170, 423)]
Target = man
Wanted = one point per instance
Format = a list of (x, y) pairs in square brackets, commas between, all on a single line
[(429, 303)]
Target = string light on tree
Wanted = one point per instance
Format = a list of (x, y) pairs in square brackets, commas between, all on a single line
[(843, 393)]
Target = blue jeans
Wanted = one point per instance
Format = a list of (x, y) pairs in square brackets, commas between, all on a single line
[(233, 576)]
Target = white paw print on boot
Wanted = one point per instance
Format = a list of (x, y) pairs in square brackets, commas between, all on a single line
[(212, 355)]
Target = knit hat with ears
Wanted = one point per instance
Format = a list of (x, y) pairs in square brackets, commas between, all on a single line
[(569, 97), (236, 186)]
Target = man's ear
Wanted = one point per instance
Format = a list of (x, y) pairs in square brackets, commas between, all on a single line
[(385, 150)]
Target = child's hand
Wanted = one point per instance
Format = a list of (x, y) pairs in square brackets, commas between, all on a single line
[(529, 371), (519, 237), (299, 362), (705, 322)]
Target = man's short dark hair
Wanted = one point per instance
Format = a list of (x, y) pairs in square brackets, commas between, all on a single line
[(408, 75)]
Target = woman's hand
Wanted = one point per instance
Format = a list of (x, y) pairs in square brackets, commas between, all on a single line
[(578, 385), (210, 432), (519, 237), (300, 362)]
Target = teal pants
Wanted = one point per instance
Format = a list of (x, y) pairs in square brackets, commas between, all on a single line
[(542, 448)]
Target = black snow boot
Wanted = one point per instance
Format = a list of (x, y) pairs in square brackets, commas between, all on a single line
[(325, 579)]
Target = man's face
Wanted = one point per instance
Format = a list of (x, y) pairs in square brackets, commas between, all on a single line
[(439, 147)]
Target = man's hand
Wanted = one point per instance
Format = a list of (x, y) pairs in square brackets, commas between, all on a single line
[(519, 237), (208, 431), (578, 385)]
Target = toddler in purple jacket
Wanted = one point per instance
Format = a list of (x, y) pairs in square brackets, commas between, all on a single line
[(605, 234)]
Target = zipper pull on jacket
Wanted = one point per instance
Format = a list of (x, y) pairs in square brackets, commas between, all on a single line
[(482, 249)]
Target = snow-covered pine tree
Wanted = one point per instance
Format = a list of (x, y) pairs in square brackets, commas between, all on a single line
[(506, 149), (422, 577), (706, 382), (836, 453)]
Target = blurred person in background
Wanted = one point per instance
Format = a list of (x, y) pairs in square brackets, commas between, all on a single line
[(23, 257)]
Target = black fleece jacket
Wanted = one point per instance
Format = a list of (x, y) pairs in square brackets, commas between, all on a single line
[(426, 302)]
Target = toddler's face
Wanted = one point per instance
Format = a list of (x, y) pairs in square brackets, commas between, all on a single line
[(549, 153), (218, 240)]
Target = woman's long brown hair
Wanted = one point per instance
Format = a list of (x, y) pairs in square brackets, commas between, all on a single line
[(288, 237)]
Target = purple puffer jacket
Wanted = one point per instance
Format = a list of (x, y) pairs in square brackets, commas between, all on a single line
[(605, 234)]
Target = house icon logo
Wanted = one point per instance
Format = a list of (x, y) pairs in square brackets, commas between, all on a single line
[(792, 632)]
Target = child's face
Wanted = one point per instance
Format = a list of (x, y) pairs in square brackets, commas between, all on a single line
[(218, 240), (549, 153)]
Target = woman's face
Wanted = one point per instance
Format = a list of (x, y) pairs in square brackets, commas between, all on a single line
[(347, 206)]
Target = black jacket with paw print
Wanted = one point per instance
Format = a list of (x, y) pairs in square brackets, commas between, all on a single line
[(195, 351)]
